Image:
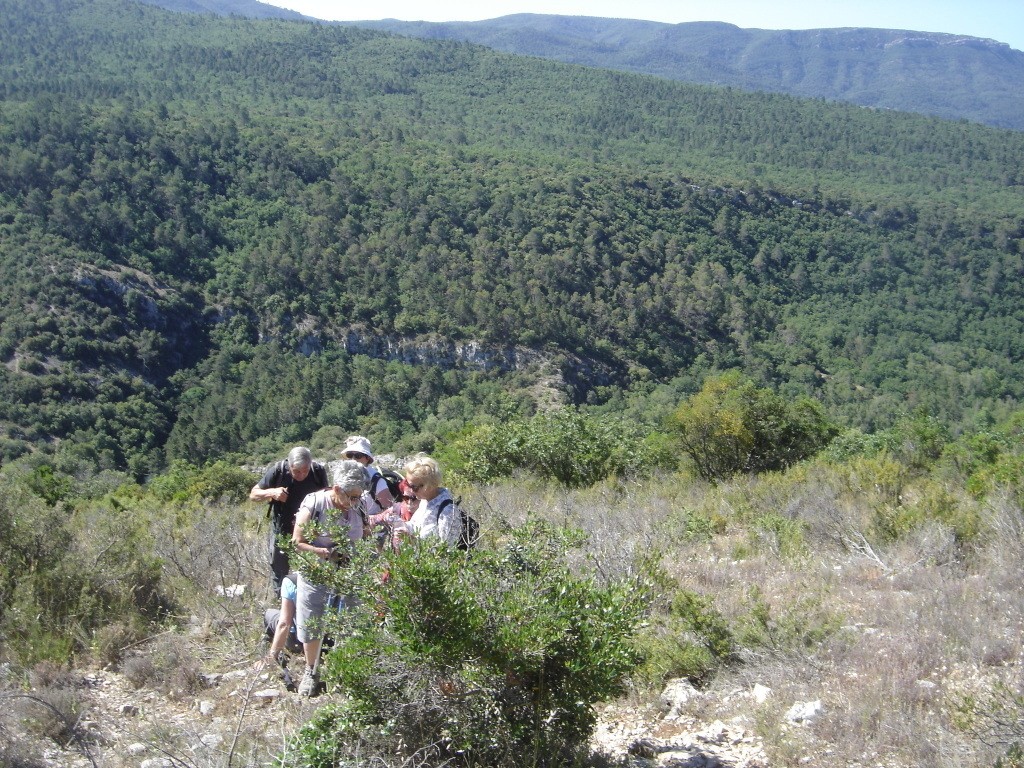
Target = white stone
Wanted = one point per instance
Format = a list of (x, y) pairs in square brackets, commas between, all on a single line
[(714, 733), (206, 707), (676, 695), (761, 693), (235, 590), (804, 711), (137, 748)]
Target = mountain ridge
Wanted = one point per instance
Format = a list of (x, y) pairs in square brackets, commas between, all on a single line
[(952, 76), (250, 9), (939, 74)]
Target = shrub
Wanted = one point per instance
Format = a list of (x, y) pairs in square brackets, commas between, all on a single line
[(52, 713), (498, 657), (699, 616), (669, 653), (168, 665), (731, 426), (563, 445), (786, 535), (66, 572), (686, 635), (213, 482), (921, 439), (995, 718), (854, 443), (1014, 758), (798, 626)]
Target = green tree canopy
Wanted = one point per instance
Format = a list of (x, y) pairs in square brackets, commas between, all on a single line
[(732, 426)]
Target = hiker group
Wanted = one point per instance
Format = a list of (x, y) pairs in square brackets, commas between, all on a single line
[(362, 502)]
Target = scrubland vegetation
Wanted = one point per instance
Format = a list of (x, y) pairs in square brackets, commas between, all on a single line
[(731, 381), (879, 574)]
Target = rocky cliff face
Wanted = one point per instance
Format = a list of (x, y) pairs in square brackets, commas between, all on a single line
[(443, 353), (555, 370)]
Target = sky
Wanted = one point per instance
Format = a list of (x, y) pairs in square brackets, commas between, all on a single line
[(1001, 20)]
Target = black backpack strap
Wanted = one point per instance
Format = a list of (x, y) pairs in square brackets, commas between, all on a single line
[(440, 509), (373, 486), (320, 473), (275, 507)]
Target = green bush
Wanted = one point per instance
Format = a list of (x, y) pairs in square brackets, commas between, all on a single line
[(686, 637), (798, 625), (68, 571), (992, 458), (495, 659), (564, 445), (215, 481), (1014, 758), (786, 535), (854, 443), (731, 426), (921, 439), (668, 654)]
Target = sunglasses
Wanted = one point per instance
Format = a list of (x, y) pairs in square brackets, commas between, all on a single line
[(350, 455), (414, 486)]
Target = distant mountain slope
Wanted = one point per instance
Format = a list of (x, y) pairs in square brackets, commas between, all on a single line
[(250, 9), (950, 76)]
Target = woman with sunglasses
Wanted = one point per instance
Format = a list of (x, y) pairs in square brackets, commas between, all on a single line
[(434, 513)]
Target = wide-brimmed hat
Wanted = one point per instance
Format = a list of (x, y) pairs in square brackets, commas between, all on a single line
[(358, 444)]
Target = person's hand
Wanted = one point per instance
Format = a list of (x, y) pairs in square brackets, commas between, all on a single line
[(337, 556), (281, 494), (266, 660)]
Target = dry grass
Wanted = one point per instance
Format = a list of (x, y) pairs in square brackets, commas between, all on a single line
[(913, 644), (890, 635)]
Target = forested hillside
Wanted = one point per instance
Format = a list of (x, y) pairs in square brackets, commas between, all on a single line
[(950, 76), (218, 234), (252, 9)]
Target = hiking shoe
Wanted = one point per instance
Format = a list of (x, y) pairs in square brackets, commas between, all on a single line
[(309, 683)]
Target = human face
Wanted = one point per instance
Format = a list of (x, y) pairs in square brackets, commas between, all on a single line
[(345, 500), (421, 488), (299, 472), (362, 458)]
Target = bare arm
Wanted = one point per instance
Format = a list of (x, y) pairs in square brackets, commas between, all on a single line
[(284, 624), (385, 499), (268, 494), (302, 519)]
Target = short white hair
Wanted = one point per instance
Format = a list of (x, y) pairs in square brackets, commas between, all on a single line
[(299, 456), (350, 476)]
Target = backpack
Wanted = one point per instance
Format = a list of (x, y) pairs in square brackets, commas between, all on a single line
[(392, 479), (470, 533), (276, 509)]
